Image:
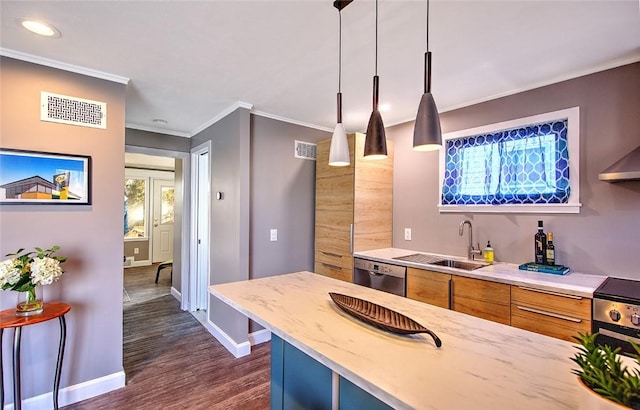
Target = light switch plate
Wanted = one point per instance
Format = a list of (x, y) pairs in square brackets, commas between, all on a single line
[(274, 235), (407, 234)]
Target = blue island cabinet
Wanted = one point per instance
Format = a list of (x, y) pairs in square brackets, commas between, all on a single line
[(300, 382)]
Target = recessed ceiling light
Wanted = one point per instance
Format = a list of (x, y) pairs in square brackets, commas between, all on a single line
[(38, 27), (160, 121)]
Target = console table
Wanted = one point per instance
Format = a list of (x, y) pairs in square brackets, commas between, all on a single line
[(8, 319)]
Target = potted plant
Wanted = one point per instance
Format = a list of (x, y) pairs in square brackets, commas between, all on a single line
[(602, 370)]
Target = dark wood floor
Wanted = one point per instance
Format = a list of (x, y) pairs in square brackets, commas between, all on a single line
[(172, 362)]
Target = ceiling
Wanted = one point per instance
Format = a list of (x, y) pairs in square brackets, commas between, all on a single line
[(192, 62)]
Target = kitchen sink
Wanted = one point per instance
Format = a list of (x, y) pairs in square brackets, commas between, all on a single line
[(436, 260), (466, 265)]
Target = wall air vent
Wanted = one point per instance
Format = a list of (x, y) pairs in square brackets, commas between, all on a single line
[(305, 150), (73, 111)]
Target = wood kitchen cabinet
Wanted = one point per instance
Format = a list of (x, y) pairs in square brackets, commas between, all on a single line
[(353, 207), (481, 298), (550, 313), (429, 287)]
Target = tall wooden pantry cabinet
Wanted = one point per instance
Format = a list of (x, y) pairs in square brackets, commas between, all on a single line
[(353, 207)]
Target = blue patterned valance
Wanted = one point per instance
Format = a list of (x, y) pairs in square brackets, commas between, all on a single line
[(523, 165)]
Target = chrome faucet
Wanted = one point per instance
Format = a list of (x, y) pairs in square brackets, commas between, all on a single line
[(471, 251)]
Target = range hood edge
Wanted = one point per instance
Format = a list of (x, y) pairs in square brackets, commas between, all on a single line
[(626, 168)]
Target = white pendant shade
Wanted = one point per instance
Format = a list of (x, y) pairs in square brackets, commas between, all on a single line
[(339, 150)]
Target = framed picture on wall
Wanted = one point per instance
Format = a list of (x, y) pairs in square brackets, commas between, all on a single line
[(30, 177)]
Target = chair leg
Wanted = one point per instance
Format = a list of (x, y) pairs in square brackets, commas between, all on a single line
[(158, 272)]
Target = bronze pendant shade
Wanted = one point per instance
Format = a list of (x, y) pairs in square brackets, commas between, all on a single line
[(427, 135), (375, 143)]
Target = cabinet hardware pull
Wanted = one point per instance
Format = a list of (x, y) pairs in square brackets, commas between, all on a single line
[(548, 292), (335, 255), (450, 293), (351, 239), (618, 336), (542, 312), (328, 265)]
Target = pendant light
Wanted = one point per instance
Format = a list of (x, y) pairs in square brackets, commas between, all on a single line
[(427, 135), (339, 150), (375, 143)]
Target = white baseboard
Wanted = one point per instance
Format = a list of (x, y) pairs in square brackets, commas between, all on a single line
[(134, 264), (176, 294), (259, 336), (236, 349), (75, 393)]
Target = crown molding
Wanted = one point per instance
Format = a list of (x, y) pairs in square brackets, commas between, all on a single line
[(221, 115), (63, 66), (157, 130), (291, 121), (571, 76)]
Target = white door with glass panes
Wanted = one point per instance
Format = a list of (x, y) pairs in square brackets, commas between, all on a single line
[(162, 218)]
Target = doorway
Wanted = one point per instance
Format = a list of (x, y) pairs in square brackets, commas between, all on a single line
[(201, 196)]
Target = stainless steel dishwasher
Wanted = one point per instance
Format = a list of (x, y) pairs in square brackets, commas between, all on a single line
[(381, 276)]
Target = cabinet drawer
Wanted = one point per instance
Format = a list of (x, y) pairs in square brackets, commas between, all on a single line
[(428, 287), (483, 309), (484, 299), (335, 259), (334, 271), (564, 305), (548, 323)]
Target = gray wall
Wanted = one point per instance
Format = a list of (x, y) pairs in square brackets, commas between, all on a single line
[(90, 236), (229, 219), (282, 197), (604, 238), (252, 163), (181, 221)]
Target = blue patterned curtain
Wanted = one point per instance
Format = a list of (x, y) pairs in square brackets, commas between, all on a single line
[(526, 165)]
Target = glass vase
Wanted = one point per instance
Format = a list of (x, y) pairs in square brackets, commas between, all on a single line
[(30, 302)]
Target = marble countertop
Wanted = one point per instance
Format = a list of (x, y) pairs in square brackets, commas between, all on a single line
[(573, 283), (481, 364)]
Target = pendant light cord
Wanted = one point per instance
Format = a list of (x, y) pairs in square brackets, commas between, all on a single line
[(427, 25), (376, 65), (340, 52)]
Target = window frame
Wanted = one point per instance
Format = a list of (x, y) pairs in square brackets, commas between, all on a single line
[(572, 115)]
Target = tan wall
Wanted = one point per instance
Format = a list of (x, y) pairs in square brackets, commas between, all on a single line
[(143, 249), (89, 235)]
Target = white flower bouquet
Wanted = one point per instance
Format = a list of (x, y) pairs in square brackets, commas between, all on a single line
[(24, 271)]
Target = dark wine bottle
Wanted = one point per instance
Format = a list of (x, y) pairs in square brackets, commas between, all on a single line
[(540, 245), (551, 250)]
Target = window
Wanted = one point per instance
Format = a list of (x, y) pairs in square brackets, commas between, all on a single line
[(166, 206), (525, 165), (135, 220)]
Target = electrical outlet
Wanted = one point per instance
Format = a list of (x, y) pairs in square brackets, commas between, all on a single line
[(407, 234), (274, 235), (136, 251)]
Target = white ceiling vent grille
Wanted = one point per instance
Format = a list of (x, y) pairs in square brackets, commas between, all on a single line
[(73, 111), (305, 150)]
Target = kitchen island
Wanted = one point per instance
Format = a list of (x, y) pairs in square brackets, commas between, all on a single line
[(481, 364)]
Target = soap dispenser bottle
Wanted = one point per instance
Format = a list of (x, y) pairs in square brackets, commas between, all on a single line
[(488, 253)]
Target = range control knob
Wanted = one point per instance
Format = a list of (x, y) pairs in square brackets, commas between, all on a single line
[(614, 315), (635, 319)]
